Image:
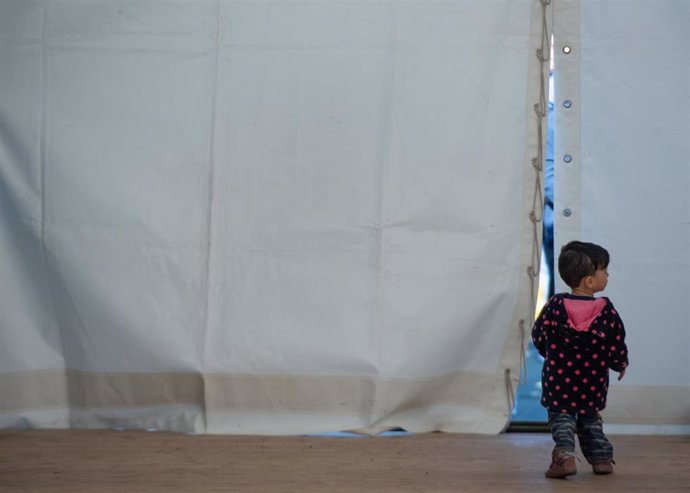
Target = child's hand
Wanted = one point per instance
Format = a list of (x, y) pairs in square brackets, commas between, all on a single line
[(621, 374)]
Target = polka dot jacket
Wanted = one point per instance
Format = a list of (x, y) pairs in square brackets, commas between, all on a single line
[(580, 338)]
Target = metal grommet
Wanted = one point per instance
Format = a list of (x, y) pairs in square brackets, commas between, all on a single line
[(567, 212), (567, 103), (567, 158), (567, 49)]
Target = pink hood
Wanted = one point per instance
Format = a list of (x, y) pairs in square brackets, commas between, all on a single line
[(581, 313)]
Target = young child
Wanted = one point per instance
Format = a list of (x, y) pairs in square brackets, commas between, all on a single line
[(580, 338)]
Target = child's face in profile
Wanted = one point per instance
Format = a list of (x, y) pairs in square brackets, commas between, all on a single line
[(600, 279)]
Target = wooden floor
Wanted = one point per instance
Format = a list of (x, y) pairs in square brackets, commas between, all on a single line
[(111, 461)]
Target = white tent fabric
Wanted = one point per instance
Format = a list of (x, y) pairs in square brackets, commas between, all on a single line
[(628, 184), (265, 217)]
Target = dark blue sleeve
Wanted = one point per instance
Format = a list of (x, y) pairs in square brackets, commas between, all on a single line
[(616, 341), (538, 332)]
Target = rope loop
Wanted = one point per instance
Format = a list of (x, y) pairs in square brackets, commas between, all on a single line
[(539, 110), (523, 359), (537, 164), (510, 392)]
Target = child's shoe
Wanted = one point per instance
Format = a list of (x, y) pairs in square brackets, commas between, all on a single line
[(605, 467), (562, 465)]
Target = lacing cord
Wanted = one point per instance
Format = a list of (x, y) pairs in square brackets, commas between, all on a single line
[(536, 215), (510, 394)]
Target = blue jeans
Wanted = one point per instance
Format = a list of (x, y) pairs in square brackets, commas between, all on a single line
[(589, 428)]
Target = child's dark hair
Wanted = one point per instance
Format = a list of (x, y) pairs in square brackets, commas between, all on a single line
[(579, 260)]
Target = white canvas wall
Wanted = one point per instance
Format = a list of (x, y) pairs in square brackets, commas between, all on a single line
[(629, 184), (265, 217)]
